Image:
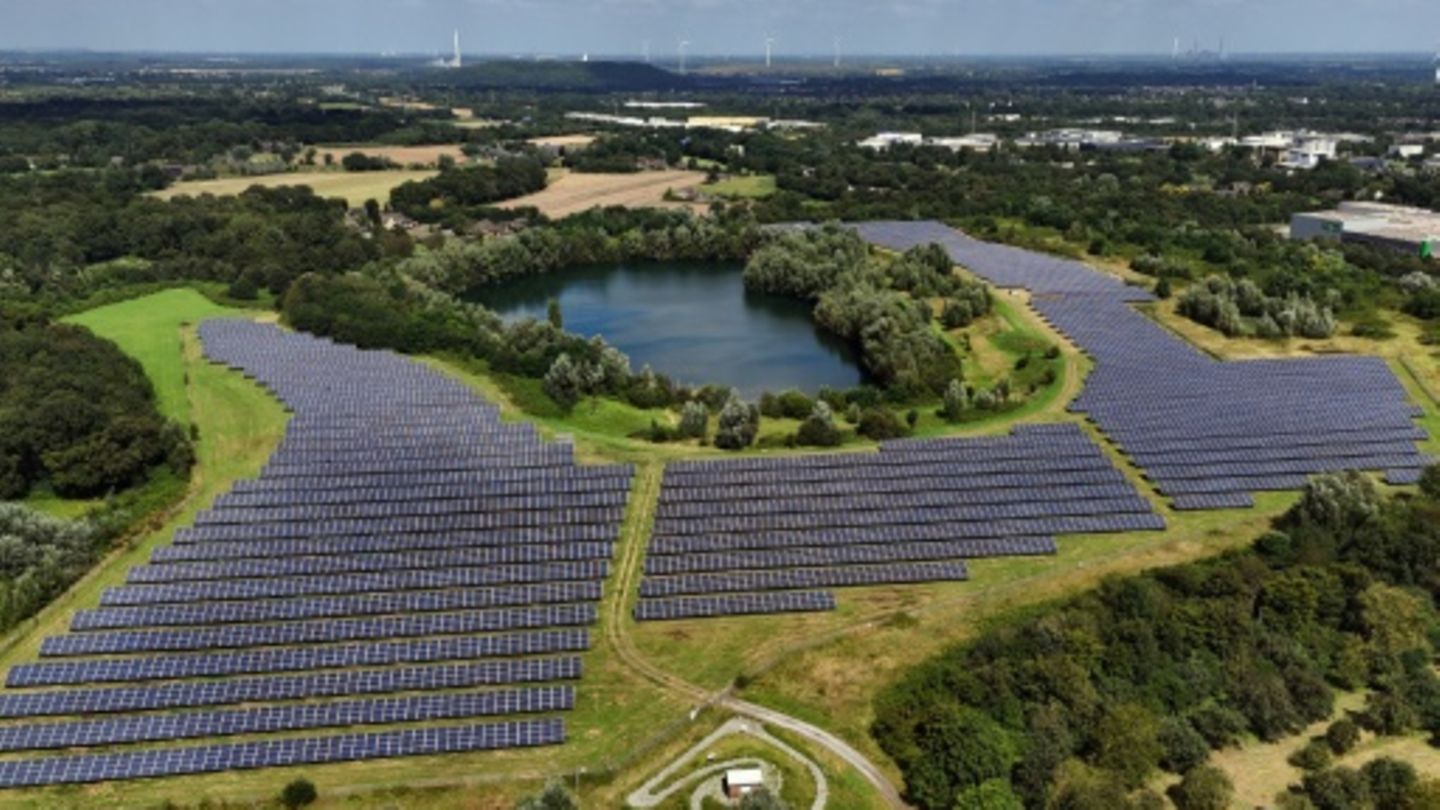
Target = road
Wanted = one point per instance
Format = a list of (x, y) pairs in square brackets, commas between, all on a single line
[(617, 620)]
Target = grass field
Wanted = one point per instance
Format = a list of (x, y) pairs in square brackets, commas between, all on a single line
[(574, 192), (353, 187), (754, 187)]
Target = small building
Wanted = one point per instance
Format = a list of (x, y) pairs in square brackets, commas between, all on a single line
[(739, 782), (884, 140), (1407, 151), (1409, 230)]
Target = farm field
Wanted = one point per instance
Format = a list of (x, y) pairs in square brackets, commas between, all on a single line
[(753, 186), (574, 192), (401, 155), (353, 187), (563, 140)]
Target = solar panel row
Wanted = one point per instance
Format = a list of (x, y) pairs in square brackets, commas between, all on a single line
[(1229, 427), (72, 768), (401, 540)]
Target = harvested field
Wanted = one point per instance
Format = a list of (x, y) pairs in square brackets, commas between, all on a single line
[(563, 141), (354, 187), (400, 155), (574, 192)]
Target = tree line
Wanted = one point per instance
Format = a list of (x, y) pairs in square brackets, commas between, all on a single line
[(1078, 705)]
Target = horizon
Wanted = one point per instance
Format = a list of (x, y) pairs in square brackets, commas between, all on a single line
[(716, 28)]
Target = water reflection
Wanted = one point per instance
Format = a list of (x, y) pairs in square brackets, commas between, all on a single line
[(695, 322)]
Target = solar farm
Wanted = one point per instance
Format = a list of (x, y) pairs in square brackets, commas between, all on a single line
[(773, 535), (1209, 434), (404, 556)]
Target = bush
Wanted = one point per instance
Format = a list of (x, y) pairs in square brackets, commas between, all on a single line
[(818, 429), (1313, 756), (1342, 736), (553, 797), (299, 793), (1203, 788), (1183, 747), (880, 424), (794, 405)]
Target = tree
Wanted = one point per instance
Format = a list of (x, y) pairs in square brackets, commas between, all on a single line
[(299, 793), (957, 399), (1391, 781), (968, 748), (738, 424), (880, 424), (1430, 481), (818, 429), (553, 797), (553, 314), (1127, 743), (372, 212), (694, 420), (563, 382), (1182, 745), (992, 794), (1203, 788), (1342, 735)]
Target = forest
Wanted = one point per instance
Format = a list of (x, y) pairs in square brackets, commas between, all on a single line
[(78, 415), (1080, 704)]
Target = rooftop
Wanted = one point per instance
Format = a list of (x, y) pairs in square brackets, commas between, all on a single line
[(1385, 220)]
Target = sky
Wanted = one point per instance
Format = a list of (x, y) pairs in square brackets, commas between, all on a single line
[(799, 27)]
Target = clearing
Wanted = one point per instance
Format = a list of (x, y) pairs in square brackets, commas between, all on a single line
[(746, 187), (354, 187), (574, 192), (563, 141)]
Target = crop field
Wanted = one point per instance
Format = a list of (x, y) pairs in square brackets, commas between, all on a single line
[(574, 192), (400, 155), (563, 140), (353, 187)]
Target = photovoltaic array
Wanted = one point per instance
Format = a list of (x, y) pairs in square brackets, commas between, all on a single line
[(406, 565), (773, 535), (1208, 433)]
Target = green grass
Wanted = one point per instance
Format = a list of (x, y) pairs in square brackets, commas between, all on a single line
[(149, 330), (749, 187)]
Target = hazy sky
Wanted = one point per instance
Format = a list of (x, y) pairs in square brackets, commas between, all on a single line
[(721, 26)]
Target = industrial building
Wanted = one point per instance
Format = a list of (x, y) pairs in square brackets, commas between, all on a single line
[(1411, 230)]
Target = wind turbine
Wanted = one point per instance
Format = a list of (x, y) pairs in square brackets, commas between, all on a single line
[(769, 45), (680, 49), (837, 51), (645, 49)]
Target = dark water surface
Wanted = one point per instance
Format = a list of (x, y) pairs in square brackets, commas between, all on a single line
[(694, 322)]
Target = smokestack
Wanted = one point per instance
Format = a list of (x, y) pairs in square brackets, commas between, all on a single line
[(457, 48)]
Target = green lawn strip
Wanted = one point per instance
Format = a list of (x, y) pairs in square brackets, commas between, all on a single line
[(148, 329)]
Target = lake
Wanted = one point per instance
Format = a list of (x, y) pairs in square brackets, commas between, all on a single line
[(692, 321)]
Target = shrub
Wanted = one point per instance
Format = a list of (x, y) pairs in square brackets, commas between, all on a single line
[(818, 429), (1183, 747), (880, 424), (299, 793), (795, 405), (1342, 736), (1313, 756), (1203, 788)]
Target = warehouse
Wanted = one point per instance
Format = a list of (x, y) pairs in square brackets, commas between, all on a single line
[(1411, 230)]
